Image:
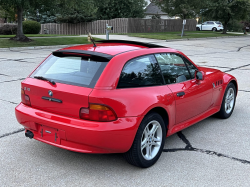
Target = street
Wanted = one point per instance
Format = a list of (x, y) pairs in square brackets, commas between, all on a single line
[(213, 152)]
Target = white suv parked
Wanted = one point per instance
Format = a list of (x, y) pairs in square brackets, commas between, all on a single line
[(210, 26)]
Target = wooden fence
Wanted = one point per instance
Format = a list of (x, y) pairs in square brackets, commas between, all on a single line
[(120, 25), (159, 25)]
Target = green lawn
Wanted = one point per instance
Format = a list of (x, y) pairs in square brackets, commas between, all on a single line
[(54, 40), (177, 35), (36, 35), (6, 43)]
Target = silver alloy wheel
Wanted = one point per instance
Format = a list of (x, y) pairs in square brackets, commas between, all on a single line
[(151, 140), (229, 100)]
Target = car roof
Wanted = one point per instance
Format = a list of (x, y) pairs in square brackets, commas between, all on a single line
[(111, 47), (212, 21)]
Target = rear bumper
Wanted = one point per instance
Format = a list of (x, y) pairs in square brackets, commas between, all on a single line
[(76, 134)]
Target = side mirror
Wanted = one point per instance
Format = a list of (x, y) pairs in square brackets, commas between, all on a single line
[(199, 75)]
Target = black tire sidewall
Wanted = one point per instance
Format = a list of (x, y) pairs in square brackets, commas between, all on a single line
[(222, 112), (145, 121)]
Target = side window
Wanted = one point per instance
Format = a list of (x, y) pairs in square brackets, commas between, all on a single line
[(173, 68), (191, 67), (140, 72)]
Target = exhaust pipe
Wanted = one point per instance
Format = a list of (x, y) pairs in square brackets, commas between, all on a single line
[(29, 134)]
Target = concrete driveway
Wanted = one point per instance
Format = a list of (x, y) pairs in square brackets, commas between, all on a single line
[(213, 152)]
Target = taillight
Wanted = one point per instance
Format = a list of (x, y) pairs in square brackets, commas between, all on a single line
[(97, 112), (25, 98)]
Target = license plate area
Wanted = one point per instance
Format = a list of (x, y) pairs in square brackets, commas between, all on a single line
[(49, 134)]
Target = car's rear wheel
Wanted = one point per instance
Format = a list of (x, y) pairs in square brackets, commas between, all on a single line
[(228, 102), (198, 29), (214, 29), (148, 143)]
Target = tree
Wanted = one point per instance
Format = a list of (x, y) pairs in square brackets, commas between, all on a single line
[(76, 14), (81, 12), (43, 14), (184, 9), (227, 10), (8, 14), (110, 9), (21, 5), (218, 10)]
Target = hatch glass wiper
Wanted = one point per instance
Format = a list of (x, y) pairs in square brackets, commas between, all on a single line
[(45, 79)]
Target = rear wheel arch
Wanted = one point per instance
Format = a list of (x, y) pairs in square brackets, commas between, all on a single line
[(148, 142), (163, 113)]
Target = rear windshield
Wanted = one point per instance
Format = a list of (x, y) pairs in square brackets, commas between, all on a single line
[(79, 71)]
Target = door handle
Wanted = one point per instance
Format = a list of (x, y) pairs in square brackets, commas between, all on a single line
[(180, 94)]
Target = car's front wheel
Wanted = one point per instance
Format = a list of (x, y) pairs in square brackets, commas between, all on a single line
[(148, 143), (228, 102)]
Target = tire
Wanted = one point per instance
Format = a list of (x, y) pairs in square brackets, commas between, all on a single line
[(148, 143), (214, 29), (198, 29), (228, 102)]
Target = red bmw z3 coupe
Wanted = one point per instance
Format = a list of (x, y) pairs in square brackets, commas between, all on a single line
[(120, 97)]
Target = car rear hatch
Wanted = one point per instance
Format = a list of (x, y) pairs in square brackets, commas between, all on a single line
[(63, 82)]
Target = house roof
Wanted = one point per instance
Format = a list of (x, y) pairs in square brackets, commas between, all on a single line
[(152, 8)]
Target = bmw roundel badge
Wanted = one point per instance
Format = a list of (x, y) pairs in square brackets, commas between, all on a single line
[(50, 93)]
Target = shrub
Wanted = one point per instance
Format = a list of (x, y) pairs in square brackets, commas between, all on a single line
[(31, 27), (8, 29), (235, 26)]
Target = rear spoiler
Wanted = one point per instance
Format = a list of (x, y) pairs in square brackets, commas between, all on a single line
[(149, 45), (82, 53)]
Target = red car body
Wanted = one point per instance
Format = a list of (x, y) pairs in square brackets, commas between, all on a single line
[(67, 130)]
